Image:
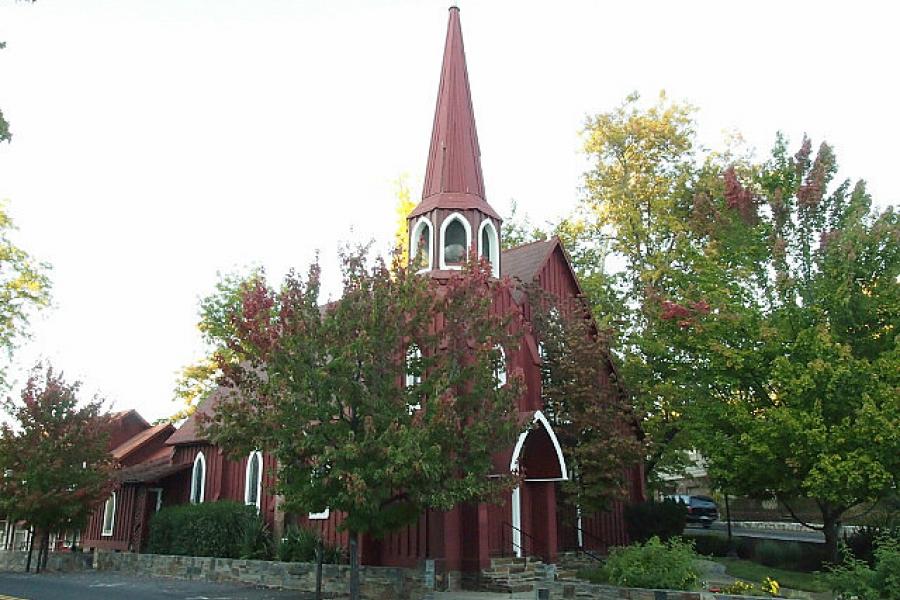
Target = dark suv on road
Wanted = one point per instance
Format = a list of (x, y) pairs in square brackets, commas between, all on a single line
[(700, 509)]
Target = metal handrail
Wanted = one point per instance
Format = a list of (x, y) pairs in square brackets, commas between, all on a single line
[(590, 553), (525, 534)]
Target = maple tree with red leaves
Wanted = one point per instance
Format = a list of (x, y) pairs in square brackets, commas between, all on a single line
[(55, 460), (359, 423), (589, 410)]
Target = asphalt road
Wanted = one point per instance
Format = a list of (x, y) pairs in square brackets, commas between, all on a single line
[(721, 528), (92, 585)]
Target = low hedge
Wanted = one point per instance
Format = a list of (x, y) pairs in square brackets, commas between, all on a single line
[(646, 520), (221, 529)]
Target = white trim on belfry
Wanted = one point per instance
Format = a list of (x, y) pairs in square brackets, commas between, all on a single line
[(494, 254), (413, 247), (465, 223)]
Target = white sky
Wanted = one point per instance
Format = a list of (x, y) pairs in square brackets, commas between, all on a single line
[(156, 142)]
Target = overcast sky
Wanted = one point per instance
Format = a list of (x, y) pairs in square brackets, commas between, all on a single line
[(158, 142)]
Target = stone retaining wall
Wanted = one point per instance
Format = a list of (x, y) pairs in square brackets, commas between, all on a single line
[(376, 583), (11, 560), (788, 526), (608, 592)]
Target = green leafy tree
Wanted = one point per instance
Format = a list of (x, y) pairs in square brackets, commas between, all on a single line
[(635, 210), (518, 229), (325, 390), (786, 317), (24, 284), (24, 288), (199, 379), (55, 458)]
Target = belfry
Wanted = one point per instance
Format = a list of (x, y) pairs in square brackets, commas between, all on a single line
[(454, 217)]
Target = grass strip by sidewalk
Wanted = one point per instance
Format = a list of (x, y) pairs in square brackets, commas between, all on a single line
[(754, 572)]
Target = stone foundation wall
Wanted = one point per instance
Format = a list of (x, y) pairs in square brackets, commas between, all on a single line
[(11, 560), (608, 592), (376, 583)]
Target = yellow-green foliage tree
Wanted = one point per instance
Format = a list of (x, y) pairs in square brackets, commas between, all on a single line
[(405, 205)]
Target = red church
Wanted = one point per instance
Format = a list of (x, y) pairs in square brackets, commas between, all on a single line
[(453, 216)]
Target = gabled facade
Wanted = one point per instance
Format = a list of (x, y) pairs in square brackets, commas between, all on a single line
[(452, 221)]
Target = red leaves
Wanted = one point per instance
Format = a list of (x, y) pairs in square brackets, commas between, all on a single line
[(738, 197), (684, 315)]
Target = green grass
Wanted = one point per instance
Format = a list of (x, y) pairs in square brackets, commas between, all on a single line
[(753, 572)]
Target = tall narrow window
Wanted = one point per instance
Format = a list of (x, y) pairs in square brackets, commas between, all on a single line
[(413, 375), (109, 516), (198, 479), (489, 245), (413, 366), (421, 243), (456, 235), (253, 480), (500, 369)]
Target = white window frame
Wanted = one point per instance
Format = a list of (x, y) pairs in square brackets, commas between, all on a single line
[(501, 376), (465, 223), (248, 483), (159, 497), (494, 254), (111, 501), (198, 460), (413, 352), (320, 516), (414, 246)]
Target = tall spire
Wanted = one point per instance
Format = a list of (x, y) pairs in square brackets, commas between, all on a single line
[(453, 178)]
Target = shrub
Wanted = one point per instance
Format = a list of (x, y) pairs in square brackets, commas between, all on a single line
[(855, 578), (299, 545), (222, 529), (773, 553), (709, 545), (862, 542), (649, 519), (655, 564)]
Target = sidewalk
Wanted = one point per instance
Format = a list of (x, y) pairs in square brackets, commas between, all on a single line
[(483, 596)]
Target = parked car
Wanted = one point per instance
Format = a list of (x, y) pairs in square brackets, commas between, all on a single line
[(700, 509)]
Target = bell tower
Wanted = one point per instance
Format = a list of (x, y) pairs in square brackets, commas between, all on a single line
[(454, 221)]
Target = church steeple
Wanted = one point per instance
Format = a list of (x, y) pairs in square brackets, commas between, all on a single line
[(454, 217)]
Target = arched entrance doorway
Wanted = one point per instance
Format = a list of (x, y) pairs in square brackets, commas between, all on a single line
[(538, 455)]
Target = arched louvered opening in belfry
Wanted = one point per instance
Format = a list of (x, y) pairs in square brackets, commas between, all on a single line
[(489, 246), (421, 245), (456, 237)]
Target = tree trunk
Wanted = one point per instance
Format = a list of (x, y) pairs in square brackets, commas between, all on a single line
[(30, 549), (46, 545), (831, 529), (354, 565)]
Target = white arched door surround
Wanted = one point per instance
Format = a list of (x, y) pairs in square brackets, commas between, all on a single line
[(539, 420)]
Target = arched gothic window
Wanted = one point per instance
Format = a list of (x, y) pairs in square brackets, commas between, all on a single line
[(456, 237), (413, 368), (198, 479), (421, 245), (500, 370), (253, 479), (109, 516), (489, 246), (413, 376)]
